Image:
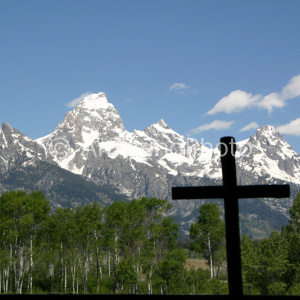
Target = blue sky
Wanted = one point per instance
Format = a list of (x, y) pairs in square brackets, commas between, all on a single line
[(208, 68)]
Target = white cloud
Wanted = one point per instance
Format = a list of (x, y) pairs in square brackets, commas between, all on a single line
[(215, 125), (76, 101), (278, 100), (292, 89), (252, 125), (178, 86), (292, 128), (239, 100), (236, 101), (271, 101)]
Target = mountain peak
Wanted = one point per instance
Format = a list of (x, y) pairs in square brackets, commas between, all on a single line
[(6, 126), (268, 132), (162, 123), (7, 129), (93, 119), (95, 102), (267, 128)]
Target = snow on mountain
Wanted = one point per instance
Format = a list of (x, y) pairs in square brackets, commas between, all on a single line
[(17, 149), (96, 127), (93, 120), (91, 141), (94, 131), (268, 154)]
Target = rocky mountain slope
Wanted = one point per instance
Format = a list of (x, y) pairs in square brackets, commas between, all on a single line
[(94, 132), (92, 142), (24, 165)]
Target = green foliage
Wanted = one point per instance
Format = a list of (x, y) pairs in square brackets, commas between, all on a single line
[(124, 248), (170, 271), (131, 247), (20, 214), (271, 265), (265, 265), (126, 273), (208, 236), (216, 287)]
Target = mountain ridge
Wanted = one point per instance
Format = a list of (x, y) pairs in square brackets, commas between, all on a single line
[(92, 142), (96, 126)]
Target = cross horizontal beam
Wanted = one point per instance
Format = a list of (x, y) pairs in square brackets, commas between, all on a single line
[(218, 192)]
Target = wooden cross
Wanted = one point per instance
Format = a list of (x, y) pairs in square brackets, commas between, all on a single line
[(230, 192)]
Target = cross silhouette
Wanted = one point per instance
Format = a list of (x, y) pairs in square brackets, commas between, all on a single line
[(230, 192)]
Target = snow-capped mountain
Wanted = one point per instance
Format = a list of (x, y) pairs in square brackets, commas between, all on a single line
[(92, 142), (25, 165), (270, 156), (94, 132), (18, 149)]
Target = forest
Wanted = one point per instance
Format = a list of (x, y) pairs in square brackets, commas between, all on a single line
[(134, 248)]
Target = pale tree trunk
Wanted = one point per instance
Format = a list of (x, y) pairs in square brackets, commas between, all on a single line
[(19, 271), (116, 262), (51, 272), (149, 275), (5, 279), (10, 265), (149, 287), (31, 266), (97, 271), (137, 271), (73, 274), (98, 265), (210, 259), (77, 287), (100, 270), (135, 285), (61, 269), (65, 277), (86, 271)]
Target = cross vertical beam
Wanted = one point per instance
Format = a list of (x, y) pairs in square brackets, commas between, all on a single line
[(231, 207)]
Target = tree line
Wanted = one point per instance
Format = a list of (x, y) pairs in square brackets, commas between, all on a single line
[(123, 248), (133, 248)]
